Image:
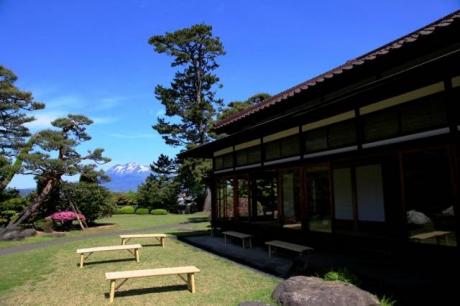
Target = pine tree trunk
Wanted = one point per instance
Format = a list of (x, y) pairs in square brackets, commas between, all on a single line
[(34, 205)]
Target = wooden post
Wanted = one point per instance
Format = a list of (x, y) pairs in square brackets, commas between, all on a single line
[(269, 251), (123, 241), (82, 258), (136, 252), (162, 240), (243, 242), (250, 242), (112, 290), (191, 282)]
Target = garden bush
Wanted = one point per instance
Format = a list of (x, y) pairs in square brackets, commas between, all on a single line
[(342, 275), (142, 211), (159, 212), (7, 215), (126, 210), (44, 225), (65, 218)]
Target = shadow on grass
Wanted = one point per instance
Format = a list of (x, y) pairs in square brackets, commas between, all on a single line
[(106, 261), (142, 291), (197, 220), (152, 245), (190, 233)]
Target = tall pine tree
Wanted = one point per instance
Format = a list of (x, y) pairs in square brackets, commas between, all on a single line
[(191, 96)]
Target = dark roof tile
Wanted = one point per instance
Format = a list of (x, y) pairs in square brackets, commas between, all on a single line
[(349, 65)]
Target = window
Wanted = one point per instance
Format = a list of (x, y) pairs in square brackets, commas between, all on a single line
[(248, 156), (285, 147), (265, 197), (318, 200), (429, 197), (224, 199), (423, 115), (343, 196), (229, 198), (369, 189), (338, 135), (218, 163), (243, 197), (381, 125), (412, 117), (342, 134), (316, 140), (223, 162), (290, 195), (227, 161)]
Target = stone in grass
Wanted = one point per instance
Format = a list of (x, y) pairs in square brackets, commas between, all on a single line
[(16, 234), (250, 303), (313, 291)]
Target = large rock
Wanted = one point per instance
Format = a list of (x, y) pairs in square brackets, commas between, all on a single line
[(313, 291), (27, 233), (16, 234)]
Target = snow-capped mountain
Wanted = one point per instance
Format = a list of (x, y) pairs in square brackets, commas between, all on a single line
[(129, 168), (127, 177)]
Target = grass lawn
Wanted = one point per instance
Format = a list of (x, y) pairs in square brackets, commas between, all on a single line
[(122, 222), (51, 276)]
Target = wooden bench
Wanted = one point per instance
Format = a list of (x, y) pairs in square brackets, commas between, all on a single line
[(125, 275), (132, 248), (159, 237), (242, 236), (286, 245), (434, 234)]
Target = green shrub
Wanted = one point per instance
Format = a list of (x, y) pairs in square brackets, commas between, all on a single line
[(342, 275), (7, 215), (158, 212), (386, 301), (126, 210), (142, 211), (45, 225)]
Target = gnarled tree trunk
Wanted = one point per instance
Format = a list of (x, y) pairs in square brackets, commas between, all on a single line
[(34, 205)]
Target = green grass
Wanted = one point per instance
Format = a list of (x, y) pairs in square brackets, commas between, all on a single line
[(51, 276), (120, 222)]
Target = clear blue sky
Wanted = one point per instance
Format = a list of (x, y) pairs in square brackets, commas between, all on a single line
[(92, 57)]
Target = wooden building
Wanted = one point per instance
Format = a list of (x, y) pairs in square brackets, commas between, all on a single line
[(367, 153)]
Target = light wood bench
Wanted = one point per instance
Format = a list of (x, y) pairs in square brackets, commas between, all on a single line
[(286, 245), (434, 234), (242, 236), (125, 275), (132, 248), (159, 237)]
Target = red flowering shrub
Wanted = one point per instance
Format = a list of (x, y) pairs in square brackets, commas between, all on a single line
[(66, 216)]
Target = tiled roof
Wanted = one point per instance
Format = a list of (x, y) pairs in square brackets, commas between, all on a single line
[(349, 65)]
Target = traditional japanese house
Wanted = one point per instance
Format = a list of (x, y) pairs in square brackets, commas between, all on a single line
[(366, 154)]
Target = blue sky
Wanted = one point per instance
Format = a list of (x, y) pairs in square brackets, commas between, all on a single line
[(92, 57)]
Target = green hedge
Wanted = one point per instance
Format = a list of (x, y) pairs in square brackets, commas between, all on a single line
[(142, 211), (126, 210), (159, 212)]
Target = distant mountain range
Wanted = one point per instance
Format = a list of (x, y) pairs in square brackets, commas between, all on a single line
[(126, 177)]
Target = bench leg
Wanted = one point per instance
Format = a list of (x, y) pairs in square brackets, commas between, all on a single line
[(225, 239), (243, 242), (191, 282), (269, 251), (123, 241), (136, 252), (162, 241), (250, 242), (82, 259), (112, 291)]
